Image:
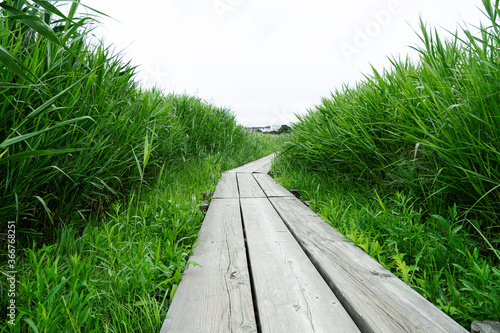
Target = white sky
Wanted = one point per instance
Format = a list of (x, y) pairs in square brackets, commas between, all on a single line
[(268, 60)]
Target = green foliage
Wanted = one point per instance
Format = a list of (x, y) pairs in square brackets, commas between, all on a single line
[(434, 254), (431, 128), (284, 129), (76, 132), (120, 273), (407, 166), (102, 178)]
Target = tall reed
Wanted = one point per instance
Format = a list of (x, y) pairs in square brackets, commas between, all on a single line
[(431, 128), (103, 179), (76, 130)]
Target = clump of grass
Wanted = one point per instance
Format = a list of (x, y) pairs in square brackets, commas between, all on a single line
[(76, 130), (431, 128), (120, 273), (103, 179), (434, 254), (412, 159), (66, 112)]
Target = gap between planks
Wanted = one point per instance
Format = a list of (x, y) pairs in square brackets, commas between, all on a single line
[(290, 294), (263, 204), (215, 296)]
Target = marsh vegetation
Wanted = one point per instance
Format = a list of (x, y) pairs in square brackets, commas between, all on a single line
[(406, 164)]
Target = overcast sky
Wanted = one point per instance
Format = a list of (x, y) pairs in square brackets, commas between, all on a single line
[(267, 60)]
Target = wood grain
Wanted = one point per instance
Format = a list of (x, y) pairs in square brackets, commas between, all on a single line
[(260, 165), (376, 299), (248, 186), (270, 186), (227, 187), (291, 296), (265, 168), (215, 296)]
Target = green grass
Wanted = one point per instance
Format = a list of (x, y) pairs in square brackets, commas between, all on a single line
[(119, 274), (76, 130), (430, 128), (435, 254), (407, 165), (102, 178)]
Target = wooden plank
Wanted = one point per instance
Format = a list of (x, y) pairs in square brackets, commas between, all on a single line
[(255, 165), (215, 296), (270, 186), (227, 187), (290, 294), (265, 168), (248, 186), (376, 299)]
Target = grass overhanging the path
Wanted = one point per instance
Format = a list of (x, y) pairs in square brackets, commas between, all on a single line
[(406, 164), (102, 178)]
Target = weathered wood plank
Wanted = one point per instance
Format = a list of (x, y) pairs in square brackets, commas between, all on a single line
[(227, 187), (270, 186), (265, 168), (248, 186), (376, 299), (255, 165), (291, 296), (215, 296)]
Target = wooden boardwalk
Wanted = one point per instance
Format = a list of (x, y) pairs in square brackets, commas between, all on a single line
[(267, 263)]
